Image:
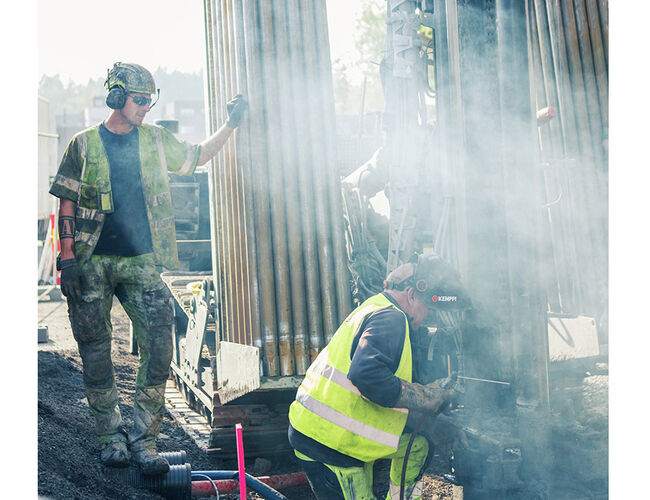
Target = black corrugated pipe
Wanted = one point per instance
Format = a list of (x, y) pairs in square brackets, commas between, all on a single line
[(174, 485)]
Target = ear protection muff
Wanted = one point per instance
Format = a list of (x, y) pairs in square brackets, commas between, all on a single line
[(116, 98)]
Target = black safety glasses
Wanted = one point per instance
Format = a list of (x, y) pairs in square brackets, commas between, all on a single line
[(144, 101)]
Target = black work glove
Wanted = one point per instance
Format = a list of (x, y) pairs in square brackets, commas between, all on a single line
[(70, 279), (236, 109), (430, 398)]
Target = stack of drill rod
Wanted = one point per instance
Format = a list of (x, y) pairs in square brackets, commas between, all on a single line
[(278, 247), (569, 49)]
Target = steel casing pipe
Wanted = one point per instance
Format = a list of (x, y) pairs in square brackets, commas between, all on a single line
[(279, 263)]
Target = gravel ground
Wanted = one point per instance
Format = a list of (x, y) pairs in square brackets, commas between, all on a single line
[(68, 454)]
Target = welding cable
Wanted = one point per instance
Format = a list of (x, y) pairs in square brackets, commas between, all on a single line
[(211, 482), (406, 455)]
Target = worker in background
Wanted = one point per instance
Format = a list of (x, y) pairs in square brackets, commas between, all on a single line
[(116, 229), (353, 404)]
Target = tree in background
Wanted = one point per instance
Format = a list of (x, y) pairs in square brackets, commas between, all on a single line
[(72, 98), (348, 77)]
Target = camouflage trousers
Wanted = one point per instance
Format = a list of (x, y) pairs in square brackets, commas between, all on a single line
[(145, 298)]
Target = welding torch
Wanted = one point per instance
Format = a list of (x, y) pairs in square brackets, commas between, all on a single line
[(452, 382)]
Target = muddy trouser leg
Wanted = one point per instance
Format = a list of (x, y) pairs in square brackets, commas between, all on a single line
[(415, 466), (148, 305), (91, 328), (330, 482)]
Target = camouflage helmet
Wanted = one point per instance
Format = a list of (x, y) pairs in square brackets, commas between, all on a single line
[(433, 279), (133, 78)]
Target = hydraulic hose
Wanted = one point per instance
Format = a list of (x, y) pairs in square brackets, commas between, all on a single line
[(406, 455), (445, 384)]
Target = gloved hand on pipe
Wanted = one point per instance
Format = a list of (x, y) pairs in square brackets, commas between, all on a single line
[(430, 398), (236, 108), (70, 279)]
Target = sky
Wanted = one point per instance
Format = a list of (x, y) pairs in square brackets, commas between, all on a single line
[(80, 39)]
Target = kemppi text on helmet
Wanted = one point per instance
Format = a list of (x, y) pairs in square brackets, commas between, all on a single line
[(133, 78), (434, 280)]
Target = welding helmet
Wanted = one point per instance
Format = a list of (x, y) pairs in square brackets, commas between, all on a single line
[(127, 78), (434, 280)]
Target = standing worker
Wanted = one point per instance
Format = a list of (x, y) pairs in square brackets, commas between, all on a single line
[(352, 406), (116, 228)]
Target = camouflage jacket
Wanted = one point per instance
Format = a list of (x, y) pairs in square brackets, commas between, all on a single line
[(84, 177)]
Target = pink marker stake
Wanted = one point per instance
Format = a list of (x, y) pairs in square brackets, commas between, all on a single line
[(240, 462)]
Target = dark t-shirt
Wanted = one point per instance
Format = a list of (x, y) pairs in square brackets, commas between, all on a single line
[(126, 231), (376, 352)]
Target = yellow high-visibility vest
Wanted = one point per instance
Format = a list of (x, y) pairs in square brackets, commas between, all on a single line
[(331, 410)]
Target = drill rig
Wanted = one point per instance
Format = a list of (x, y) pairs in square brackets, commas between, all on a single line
[(476, 170), (517, 204)]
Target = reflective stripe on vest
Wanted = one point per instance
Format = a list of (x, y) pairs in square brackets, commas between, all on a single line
[(319, 367), (332, 411), (346, 422)]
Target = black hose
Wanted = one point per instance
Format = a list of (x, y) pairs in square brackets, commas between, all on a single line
[(216, 491), (406, 455)]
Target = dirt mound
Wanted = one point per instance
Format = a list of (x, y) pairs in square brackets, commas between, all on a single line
[(68, 465), (68, 452)]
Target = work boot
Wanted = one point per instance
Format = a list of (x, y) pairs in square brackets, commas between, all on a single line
[(150, 462), (115, 454)]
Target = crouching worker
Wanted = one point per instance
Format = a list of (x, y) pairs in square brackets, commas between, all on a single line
[(352, 406), (116, 228)]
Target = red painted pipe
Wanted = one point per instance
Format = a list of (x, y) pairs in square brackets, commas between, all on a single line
[(281, 481), (545, 115), (205, 489)]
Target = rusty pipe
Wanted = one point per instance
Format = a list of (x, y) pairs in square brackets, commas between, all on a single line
[(586, 183), (318, 166), (238, 166), (212, 110), (305, 179), (600, 63), (225, 316), (560, 67), (548, 146), (275, 175), (221, 282), (587, 58), (256, 117), (252, 298), (603, 10), (572, 132), (341, 272), (546, 60), (596, 92), (230, 183), (585, 115), (289, 136)]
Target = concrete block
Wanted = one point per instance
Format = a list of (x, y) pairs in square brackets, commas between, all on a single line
[(572, 338)]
